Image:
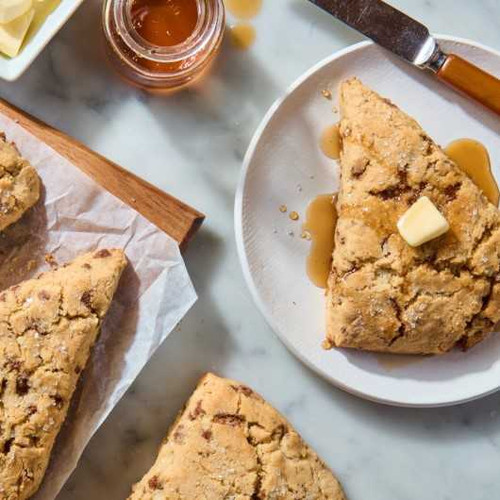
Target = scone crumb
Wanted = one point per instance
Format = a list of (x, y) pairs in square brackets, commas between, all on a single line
[(283, 209), (327, 94), (294, 216), (327, 345)]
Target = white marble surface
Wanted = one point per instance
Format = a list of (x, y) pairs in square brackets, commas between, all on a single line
[(192, 145)]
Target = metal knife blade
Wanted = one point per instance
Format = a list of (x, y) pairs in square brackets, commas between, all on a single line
[(386, 26)]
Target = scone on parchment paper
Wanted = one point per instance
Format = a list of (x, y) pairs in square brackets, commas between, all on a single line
[(48, 326), (228, 443), (19, 184), (384, 295)]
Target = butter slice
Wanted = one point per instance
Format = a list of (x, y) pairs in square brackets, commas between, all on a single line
[(12, 34), (422, 222), (12, 9)]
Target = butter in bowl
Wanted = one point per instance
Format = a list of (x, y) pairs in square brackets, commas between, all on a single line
[(26, 26), (16, 18)]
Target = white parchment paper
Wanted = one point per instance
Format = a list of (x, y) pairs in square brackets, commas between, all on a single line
[(76, 215)]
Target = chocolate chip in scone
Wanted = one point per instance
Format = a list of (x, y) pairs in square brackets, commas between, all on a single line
[(13, 364), (43, 295), (102, 254), (22, 386), (197, 412), (31, 409), (58, 401), (451, 191), (207, 435), (359, 166), (279, 432), (259, 493), (86, 299), (228, 419), (246, 391), (155, 484), (34, 440), (7, 446), (87, 266), (28, 475), (243, 389), (37, 327), (179, 434)]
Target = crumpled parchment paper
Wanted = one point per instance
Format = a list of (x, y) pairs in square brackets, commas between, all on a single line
[(76, 215)]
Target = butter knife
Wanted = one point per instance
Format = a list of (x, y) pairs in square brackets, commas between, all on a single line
[(411, 40)]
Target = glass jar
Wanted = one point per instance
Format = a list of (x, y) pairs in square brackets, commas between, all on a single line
[(162, 68)]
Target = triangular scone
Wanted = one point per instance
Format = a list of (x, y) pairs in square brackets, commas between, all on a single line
[(228, 443), (47, 328), (384, 295), (19, 184)]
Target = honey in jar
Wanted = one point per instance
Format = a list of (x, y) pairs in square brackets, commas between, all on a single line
[(163, 44)]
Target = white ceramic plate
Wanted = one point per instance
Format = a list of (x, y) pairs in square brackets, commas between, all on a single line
[(13, 68), (284, 165)]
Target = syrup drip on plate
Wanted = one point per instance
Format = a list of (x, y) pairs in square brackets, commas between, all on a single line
[(244, 9), (321, 219), (331, 143), (473, 158), (243, 35)]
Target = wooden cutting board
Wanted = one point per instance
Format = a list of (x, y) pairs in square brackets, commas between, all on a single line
[(177, 219)]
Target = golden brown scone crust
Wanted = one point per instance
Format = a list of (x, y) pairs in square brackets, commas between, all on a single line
[(384, 295), (229, 444), (47, 328), (19, 184)]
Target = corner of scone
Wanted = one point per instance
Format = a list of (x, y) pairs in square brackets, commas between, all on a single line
[(48, 328), (19, 184)]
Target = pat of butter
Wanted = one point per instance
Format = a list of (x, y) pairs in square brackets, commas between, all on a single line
[(12, 9), (12, 34), (422, 222)]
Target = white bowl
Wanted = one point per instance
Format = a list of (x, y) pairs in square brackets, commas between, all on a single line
[(11, 69)]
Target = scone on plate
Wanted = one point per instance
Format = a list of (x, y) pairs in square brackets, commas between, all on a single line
[(383, 294), (48, 326), (228, 443), (19, 184)]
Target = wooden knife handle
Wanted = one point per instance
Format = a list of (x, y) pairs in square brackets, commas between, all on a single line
[(471, 80)]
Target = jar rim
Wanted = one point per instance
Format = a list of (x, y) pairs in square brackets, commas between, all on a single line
[(206, 36)]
